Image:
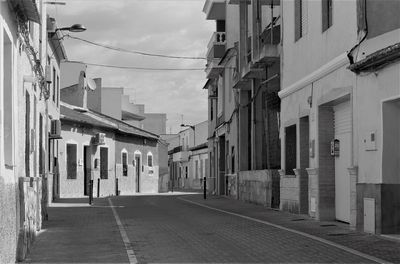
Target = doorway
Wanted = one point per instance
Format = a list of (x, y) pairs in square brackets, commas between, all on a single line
[(138, 171), (221, 166), (342, 124), (304, 137), (87, 169)]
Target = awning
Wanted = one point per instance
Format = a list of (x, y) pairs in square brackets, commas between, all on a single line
[(27, 10)]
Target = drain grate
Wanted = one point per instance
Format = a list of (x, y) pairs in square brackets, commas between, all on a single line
[(297, 219), (327, 225), (338, 234)]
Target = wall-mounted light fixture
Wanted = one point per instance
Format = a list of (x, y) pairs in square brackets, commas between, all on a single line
[(74, 28)]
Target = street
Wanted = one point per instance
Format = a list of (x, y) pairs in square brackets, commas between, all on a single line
[(168, 229)]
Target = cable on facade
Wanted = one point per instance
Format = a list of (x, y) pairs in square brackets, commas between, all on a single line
[(134, 51)]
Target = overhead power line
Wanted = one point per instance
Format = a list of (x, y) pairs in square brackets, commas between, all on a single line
[(137, 68), (134, 51)]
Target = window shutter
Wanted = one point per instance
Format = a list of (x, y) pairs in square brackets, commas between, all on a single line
[(103, 163), (304, 17), (71, 161), (124, 164), (297, 19)]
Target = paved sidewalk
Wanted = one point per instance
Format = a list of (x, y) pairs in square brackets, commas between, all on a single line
[(336, 232), (77, 232)]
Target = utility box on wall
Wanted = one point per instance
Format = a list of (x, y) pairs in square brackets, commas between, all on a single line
[(369, 215)]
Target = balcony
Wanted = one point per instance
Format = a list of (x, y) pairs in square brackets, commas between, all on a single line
[(268, 47), (264, 53), (216, 50), (215, 9)]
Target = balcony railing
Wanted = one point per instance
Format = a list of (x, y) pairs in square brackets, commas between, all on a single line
[(216, 50), (217, 38)]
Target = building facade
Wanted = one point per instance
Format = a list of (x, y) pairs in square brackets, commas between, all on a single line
[(308, 89), (120, 159), (375, 63), (188, 157), (29, 78), (243, 74)]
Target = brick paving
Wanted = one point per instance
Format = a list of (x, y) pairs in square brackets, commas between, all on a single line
[(166, 229), (337, 232), (79, 233), (169, 230)]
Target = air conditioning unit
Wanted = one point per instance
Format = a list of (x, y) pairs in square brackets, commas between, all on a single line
[(99, 139), (55, 129)]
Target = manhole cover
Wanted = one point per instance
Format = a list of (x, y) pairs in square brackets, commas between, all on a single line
[(298, 219)]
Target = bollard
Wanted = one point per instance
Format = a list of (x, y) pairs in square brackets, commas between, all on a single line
[(205, 188), (98, 187), (90, 192)]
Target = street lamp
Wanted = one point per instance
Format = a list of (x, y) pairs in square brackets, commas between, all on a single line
[(74, 28)]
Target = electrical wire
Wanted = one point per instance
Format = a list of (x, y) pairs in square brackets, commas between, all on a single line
[(134, 51), (137, 68)]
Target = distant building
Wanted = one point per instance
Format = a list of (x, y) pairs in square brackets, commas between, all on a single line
[(119, 158), (188, 157), (99, 144)]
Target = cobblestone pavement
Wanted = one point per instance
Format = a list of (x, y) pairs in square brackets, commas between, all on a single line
[(166, 229)]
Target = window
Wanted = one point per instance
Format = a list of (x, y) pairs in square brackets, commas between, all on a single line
[(211, 109), (186, 172), (124, 164), (300, 18), (290, 149), (58, 91), (150, 160), (326, 14), (8, 102), (233, 159), (71, 161), (103, 163), (201, 168), (54, 85)]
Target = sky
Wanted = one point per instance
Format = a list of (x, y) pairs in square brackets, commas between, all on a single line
[(170, 27)]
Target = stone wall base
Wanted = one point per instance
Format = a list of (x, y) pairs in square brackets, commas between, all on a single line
[(260, 187)]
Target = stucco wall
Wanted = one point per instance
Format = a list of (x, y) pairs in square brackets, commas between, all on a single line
[(132, 145), (316, 47), (371, 90), (12, 160), (82, 137)]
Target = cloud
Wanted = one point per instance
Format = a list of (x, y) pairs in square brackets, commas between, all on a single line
[(165, 27)]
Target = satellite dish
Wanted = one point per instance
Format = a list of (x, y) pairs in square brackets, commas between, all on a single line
[(81, 83), (91, 84)]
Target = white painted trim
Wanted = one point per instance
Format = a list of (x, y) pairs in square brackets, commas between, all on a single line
[(324, 70), (127, 162), (137, 153)]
